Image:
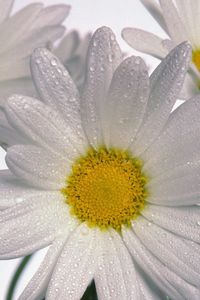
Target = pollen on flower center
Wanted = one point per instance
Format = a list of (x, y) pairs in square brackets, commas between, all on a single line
[(196, 58), (106, 188)]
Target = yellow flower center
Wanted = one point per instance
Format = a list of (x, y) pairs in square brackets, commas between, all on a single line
[(196, 58), (106, 188)]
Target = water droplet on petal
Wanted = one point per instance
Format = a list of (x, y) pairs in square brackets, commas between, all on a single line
[(53, 61)]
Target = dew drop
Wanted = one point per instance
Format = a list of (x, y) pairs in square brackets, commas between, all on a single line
[(110, 58), (38, 61), (112, 37), (84, 230), (137, 60), (53, 61), (18, 199), (92, 69)]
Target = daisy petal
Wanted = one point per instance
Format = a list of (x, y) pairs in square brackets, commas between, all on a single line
[(56, 87), (183, 221), (189, 12), (21, 20), (26, 45), (51, 16), (155, 11), (37, 287), (148, 290), (9, 136), (6, 6), (75, 267), (161, 275), (165, 84), (33, 224), (178, 143), (173, 21), (144, 41), (13, 190), (176, 191), (127, 98), (67, 46), (14, 69), (115, 277), (104, 55), (37, 167), (21, 86), (190, 88), (43, 125), (170, 250)]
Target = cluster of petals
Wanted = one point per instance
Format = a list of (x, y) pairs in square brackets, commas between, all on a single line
[(31, 27), (118, 106), (179, 19), (37, 26)]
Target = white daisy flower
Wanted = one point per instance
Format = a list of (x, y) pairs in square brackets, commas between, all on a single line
[(180, 21), (109, 178), (31, 27)]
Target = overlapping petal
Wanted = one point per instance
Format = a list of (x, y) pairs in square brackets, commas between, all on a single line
[(126, 102), (170, 250), (115, 277), (76, 265), (179, 19), (56, 87), (9, 136), (37, 167), (182, 221), (144, 41), (36, 27), (155, 11), (171, 284), (33, 224), (13, 190), (165, 84), (72, 52), (44, 126), (178, 143), (36, 288)]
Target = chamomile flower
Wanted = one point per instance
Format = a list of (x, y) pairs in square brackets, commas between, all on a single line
[(109, 178), (180, 21), (31, 27)]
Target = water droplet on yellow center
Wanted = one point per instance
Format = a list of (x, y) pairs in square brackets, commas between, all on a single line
[(196, 58), (106, 188)]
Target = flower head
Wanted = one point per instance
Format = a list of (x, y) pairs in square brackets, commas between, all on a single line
[(180, 21), (108, 178)]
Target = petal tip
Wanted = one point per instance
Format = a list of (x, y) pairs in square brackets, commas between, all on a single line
[(106, 32)]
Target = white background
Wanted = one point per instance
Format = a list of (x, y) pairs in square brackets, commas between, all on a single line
[(85, 15)]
